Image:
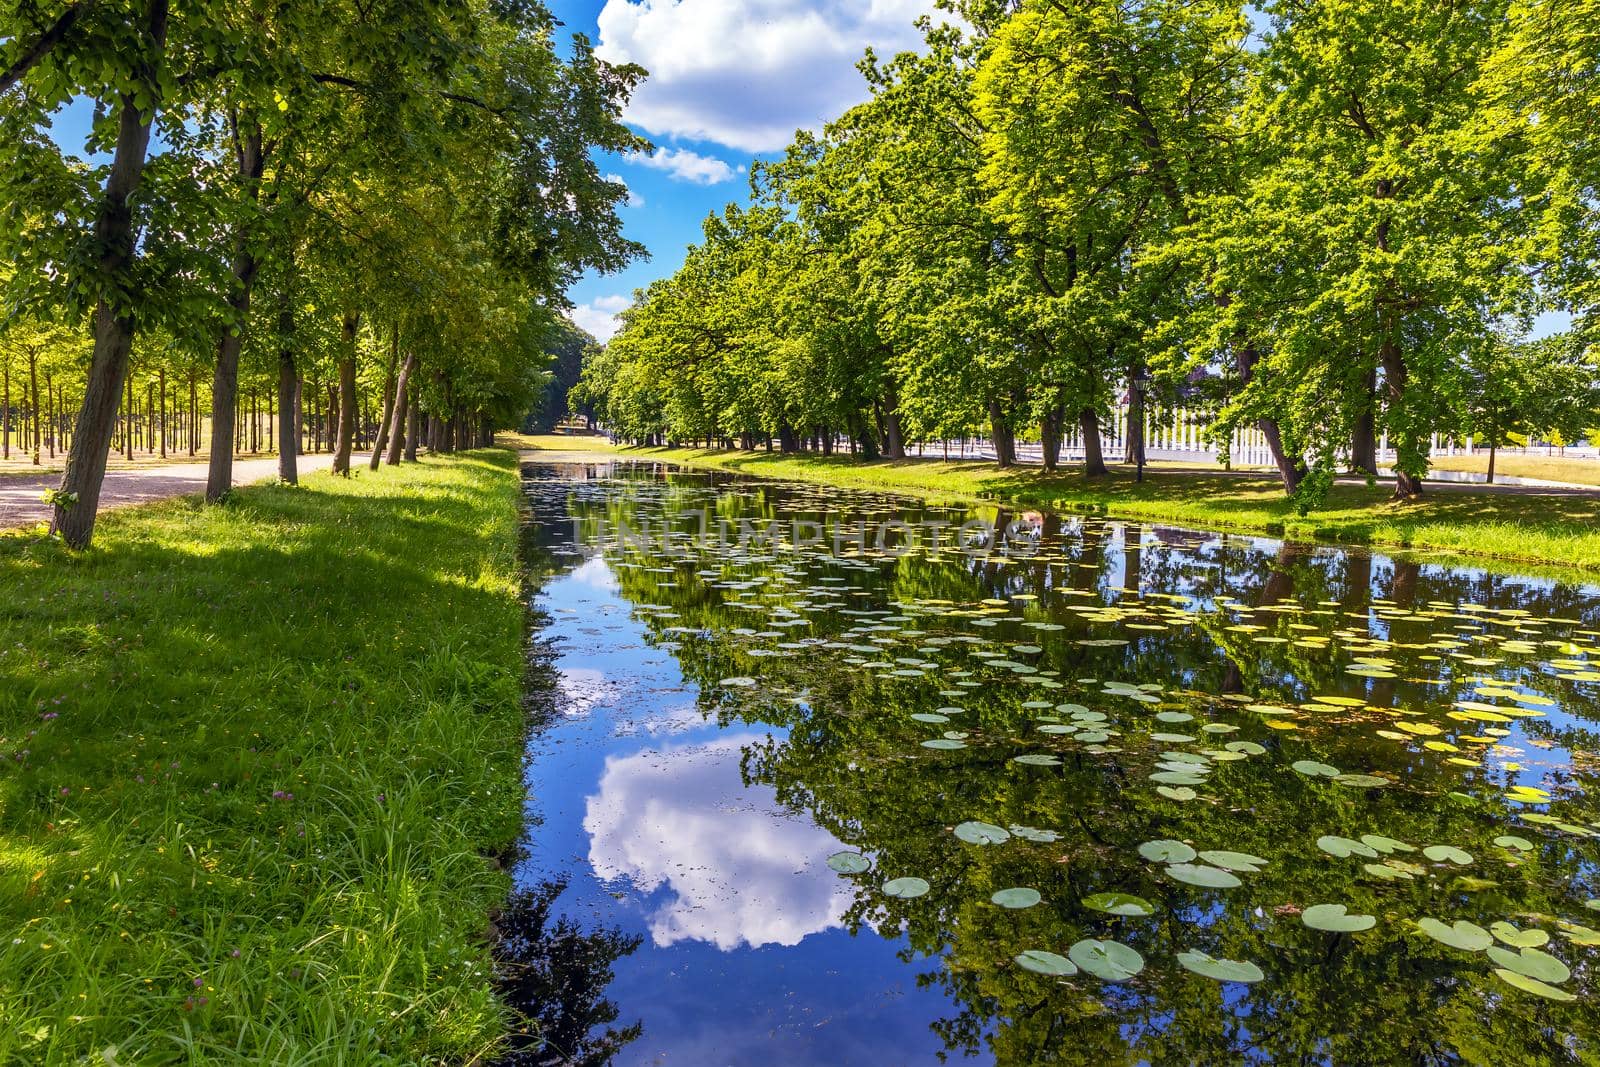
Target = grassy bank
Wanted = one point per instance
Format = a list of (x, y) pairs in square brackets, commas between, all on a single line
[(1546, 468), (252, 759), (1553, 530)]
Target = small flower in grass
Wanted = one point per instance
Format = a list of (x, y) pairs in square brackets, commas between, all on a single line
[(234, 954), (65, 791), (198, 982), (47, 716)]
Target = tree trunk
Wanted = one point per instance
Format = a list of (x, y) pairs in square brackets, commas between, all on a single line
[(1134, 445), (390, 402), (347, 391), (1094, 460), (5, 416), (1050, 436), (413, 426), (894, 438), (288, 392), (1408, 483), (36, 409), (398, 434), (1291, 471), (1494, 446), (225, 379), (74, 511), (1364, 440), (1005, 442)]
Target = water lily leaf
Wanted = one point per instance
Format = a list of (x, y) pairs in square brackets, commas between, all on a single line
[(944, 744), (1531, 938), (1201, 875), (1580, 935), (1109, 961), (738, 682), (1041, 962), (1335, 919), (1233, 861), (1218, 969), (1387, 872), (848, 862), (1166, 851), (1174, 716), (1533, 962), (981, 833), (1386, 845), (1362, 781), (1178, 778), (905, 888), (1037, 759), (928, 716), (1312, 769), (1532, 985), (1124, 904), (1344, 847), (1016, 898), (1248, 748), (1468, 937), (1512, 841), (1177, 792), (1447, 854)]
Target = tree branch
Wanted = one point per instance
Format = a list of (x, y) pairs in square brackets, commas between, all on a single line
[(44, 45)]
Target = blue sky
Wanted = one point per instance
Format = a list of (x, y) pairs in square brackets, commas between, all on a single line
[(730, 80)]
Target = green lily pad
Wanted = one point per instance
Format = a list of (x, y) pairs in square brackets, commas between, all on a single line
[(1124, 904), (1344, 847), (1016, 898), (928, 716), (944, 744), (1177, 792), (1387, 873), (848, 862), (1468, 937), (1248, 748), (1109, 961), (1512, 841), (1532, 985), (1533, 962), (1335, 919), (1531, 938), (1037, 759), (906, 888), (1447, 854), (1165, 851), (981, 833), (1386, 845), (1048, 963), (1201, 875), (1178, 778), (1233, 861), (1580, 935), (1220, 970), (1312, 769), (1361, 781)]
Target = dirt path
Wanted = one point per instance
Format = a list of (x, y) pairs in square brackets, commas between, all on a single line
[(20, 504)]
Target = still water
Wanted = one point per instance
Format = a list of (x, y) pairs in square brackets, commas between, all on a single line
[(1122, 794)]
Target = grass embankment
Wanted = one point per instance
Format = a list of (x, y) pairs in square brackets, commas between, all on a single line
[(1515, 465), (557, 442), (1563, 531), (253, 758)]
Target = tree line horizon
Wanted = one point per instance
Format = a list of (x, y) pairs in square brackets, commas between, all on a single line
[(1327, 222), (299, 226)]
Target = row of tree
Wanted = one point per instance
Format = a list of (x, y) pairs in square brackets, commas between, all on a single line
[(1327, 222), (336, 218)]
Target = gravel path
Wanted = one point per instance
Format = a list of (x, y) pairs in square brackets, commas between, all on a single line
[(20, 504)]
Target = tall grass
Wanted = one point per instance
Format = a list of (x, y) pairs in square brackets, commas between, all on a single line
[(252, 759)]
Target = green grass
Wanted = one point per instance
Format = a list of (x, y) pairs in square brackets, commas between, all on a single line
[(557, 442), (1548, 468), (356, 644), (1559, 531)]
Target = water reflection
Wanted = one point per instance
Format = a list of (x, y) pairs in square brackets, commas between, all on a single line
[(1236, 693), (721, 861)]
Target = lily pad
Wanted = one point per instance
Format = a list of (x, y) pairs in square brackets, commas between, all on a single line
[(1124, 904), (906, 888), (1201, 875), (1312, 769), (1165, 851), (1233, 861), (1468, 937), (928, 716), (848, 862), (1048, 963), (1109, 961), (1016, 898), (944, 744), (1037, 759), (1447, 854), (1218, 969), (1532, 985), (1386, 845), (1335, 919), (1533, 962), (1512, 841), (981, 833), (1177, 792), (1510, 935), (1345, 847)]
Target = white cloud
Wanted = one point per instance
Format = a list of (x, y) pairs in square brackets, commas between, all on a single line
[(748, 73), (737, 869), (599, 316), (687, 166), (634, 199)]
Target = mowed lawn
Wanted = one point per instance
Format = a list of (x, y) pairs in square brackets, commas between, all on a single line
[(1562, 531), (255, 761)]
